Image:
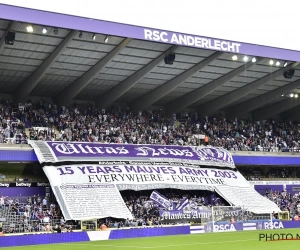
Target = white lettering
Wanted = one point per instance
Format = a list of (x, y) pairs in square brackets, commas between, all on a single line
[(230, 47), (156, 36), (205, 43), (65, 148), (82, 149), (190, 40), (123, 150), (145, 151), (98, 149), (237, 45), (188, 153), (217, 44), (198, 42), (224, 227), (163, 37), (90, 149), (195, 41), (148, 34), (174, 39), (111, 150), (273, 225), (182, 39), (224, 46), (210, 45)]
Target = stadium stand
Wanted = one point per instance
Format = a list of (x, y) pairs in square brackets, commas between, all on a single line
[(78, 122), (27, 214), (82, 122), (286, 201), (31, 214)]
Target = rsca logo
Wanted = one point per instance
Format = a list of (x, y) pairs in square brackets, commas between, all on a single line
[(273, 225), (224, 227)]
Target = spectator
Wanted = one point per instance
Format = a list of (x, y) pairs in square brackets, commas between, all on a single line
[(80, 122), (285, 201), (45, 202), (62, 221), (57, 228)]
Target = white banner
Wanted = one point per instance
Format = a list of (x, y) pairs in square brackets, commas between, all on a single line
[(90, 201), (248, 198), (92, 191), (145, 176)]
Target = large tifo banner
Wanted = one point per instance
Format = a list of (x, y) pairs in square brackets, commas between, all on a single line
[(87, 178), (97, 152)]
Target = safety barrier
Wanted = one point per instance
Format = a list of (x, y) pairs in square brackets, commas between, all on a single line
[(35, 239)]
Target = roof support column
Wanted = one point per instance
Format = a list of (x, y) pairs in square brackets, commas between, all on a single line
[(116, 92), (74, 89), (262, 100), (275, 109), (196, 95), (156, 94), (37, 75), (211, 107)]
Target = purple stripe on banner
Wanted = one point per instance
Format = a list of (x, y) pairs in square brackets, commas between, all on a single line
[(118, 29), (27, 240), (148, 232)]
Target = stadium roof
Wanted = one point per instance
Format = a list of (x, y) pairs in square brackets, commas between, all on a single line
[(71, 65)]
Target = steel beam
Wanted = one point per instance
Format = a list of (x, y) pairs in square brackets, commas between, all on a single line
[(275, 109), (196, 95), (262, 100), (211, 107), (40, 72), (158, 93), (117, 91), (74, 89)]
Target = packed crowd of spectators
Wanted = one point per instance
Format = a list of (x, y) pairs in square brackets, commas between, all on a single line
[(34, 215), (286, 202), (37, 215), (146, 212), (82, 122)]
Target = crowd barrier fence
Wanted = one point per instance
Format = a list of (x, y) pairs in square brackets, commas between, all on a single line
[(52, 238)]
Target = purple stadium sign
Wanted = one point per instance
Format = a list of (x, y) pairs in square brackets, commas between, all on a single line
[(144, 33)]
